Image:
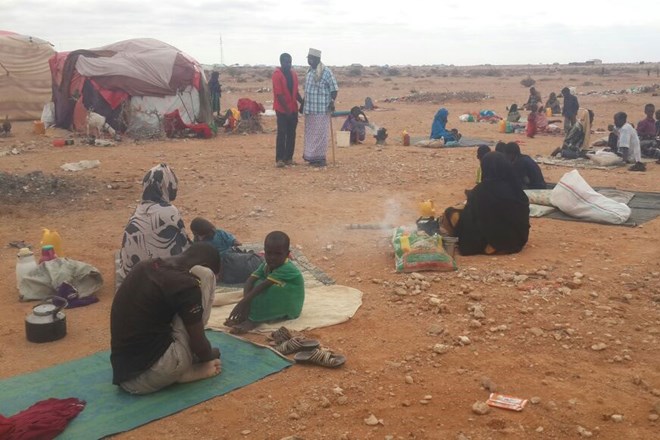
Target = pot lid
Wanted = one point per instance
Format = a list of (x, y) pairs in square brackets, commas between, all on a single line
[(44, 309)]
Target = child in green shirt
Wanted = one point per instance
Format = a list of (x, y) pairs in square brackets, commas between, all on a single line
[(274, 292)]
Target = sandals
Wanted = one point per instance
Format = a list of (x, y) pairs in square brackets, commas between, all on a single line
[(280, 335), (307, 350), (296, 344), (324, 358)]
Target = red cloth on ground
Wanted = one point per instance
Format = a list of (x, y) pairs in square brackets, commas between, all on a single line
[(173, 123), (43, 420), (246, 104)]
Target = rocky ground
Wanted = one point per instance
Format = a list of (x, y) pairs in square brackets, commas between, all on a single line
[(571, 323)]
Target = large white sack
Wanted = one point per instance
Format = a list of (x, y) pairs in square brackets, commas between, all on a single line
[(573, 196)]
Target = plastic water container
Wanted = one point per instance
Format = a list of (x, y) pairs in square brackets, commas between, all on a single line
[(502, 126), (343, 138), (548, 112), (52, 238), (24, 264)]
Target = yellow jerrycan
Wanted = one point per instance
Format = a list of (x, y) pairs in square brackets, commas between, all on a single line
[(52, 238)]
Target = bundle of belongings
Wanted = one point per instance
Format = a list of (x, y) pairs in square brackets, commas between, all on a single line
[(573, 196), (416, 251)]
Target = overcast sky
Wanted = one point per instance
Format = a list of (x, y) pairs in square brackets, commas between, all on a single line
[(417, 32)]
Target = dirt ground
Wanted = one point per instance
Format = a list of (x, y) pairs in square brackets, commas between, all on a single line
[(572, 321)]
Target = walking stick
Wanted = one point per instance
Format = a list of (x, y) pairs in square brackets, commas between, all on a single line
[(332, 137)]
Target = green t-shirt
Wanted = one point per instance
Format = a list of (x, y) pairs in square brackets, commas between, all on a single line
[(284, 299)]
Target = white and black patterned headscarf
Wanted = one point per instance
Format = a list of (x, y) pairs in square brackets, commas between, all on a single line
[(160, 184)]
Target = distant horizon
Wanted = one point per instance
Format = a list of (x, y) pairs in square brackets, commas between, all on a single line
[(652, 64)]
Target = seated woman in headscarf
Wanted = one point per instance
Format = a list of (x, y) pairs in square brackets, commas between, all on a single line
[(156, 229), (533, 100), (553, 104), (495, 219), (355, 123), (577, 137), (439, 127), (514, 114)]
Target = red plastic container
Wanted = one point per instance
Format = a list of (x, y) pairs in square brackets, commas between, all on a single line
[(58, 142)]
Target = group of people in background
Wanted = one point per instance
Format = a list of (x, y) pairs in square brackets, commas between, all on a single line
[(624, 140)]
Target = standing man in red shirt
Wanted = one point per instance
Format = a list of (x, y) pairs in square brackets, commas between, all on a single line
[(285, 103)]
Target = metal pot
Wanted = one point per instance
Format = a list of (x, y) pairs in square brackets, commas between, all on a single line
[(46, 323)]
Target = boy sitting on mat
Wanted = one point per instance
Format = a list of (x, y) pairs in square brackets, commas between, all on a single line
[(204, 230), (274, 292)]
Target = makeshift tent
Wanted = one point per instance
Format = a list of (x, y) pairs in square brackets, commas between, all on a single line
[(25, 84), (133, 83)]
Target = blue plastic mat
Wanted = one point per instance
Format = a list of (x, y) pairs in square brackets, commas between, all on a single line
[(110, 410)]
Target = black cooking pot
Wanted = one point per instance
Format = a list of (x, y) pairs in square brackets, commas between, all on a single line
[(46, 323)]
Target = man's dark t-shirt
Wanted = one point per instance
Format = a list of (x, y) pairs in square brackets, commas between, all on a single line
[(142, 313)]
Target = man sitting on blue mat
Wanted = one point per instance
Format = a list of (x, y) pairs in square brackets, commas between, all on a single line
[(157, 322)]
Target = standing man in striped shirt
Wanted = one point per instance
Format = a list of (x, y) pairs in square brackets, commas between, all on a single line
[(320, 94)]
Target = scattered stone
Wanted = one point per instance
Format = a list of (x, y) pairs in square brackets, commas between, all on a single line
[(441, 348), (474, 323), (539, 429), (435, 301), (599, 347), (536, 331), (405, 403), (428, 397), (584, 432), (464, 340), (294, 416), (535, 400), (488, 384), (617, 418), (409, 380), (246, 432), (480, 408), (653, 417), (372, 420), (325, 403), (478, 312), (436, 330), (342, 400), (338, 391), (424, 402), (400, 291), (475, 296)]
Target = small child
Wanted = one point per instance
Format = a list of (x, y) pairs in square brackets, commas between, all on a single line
[(204, 230), (274, 292), (482, 150)]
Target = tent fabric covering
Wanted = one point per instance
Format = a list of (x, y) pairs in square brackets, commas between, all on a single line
[(25, 82), (109, 76)]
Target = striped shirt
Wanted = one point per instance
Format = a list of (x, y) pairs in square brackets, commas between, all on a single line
[(317, 93)]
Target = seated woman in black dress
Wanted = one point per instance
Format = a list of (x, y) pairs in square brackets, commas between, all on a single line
[(495, 219)]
